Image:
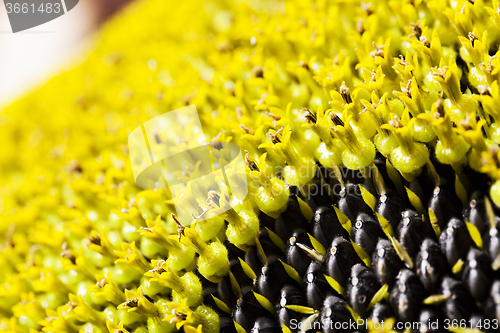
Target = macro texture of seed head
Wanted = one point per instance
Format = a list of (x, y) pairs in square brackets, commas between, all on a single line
[(371, 132)]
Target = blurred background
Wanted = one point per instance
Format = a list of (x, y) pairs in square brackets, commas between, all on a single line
[(28, 58)]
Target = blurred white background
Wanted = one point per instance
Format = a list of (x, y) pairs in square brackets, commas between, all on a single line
[(30, 57)]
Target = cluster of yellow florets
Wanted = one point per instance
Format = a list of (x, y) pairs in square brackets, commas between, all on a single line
[(294, 84)]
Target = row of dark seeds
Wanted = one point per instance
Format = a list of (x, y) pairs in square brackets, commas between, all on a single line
[(447, 277)]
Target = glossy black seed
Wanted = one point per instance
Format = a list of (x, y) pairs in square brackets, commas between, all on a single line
[(339, 260), (252, 259), (381, 312), (390, 206), (386, 263), (422, 187), (475, 181), (492, 304), (366, 232), (351, 202), (361, 287), (354, 177), (431, 321), (291, 219), (459, 303), (272, 277), (316, 286), (475, 212), (265, 325), (225, 290), (477, 274), (247, 288), (295, 256), (267, 244), (445, 204), (226, 293), (407, 296), (289, 295), (309, 199), (208, 291), (227, 324), (455, 241), (491, 240), (446, 173), (320, 193), (431, 265), (233, 252), (380, 163), (369, 185), (335, 317), (326, 226), (266, 221), (239, 274), (247, 310), (413, 230)]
